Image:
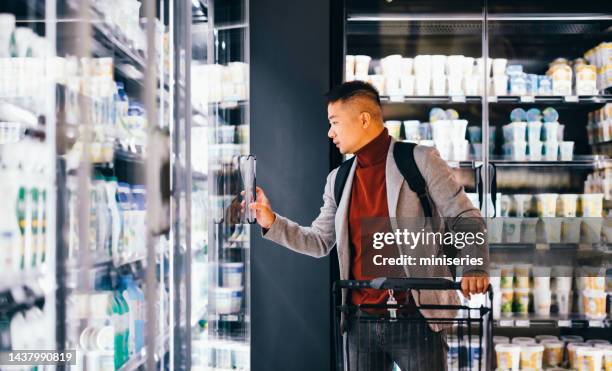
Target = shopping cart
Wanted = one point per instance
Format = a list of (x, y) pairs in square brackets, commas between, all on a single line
[(385, 337)]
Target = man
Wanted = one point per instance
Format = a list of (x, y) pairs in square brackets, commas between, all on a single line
[(376, 188)]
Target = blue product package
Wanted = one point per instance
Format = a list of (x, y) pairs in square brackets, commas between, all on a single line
[(544, 85), (518, 115), (534, 114), (518, 85), (514, 70), (532, 84)]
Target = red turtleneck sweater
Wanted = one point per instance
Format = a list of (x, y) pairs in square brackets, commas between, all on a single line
[(369, 199)]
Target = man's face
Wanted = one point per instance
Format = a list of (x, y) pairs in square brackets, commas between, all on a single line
[(345, 126)]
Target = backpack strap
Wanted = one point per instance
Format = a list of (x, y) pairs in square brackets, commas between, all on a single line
[(403, 153), (341, 177)]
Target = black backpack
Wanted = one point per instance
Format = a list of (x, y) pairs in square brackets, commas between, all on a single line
[(403, 153)]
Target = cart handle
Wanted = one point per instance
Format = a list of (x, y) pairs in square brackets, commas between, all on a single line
[(399, 284)]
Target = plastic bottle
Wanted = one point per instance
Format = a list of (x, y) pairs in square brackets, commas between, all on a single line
[(114, 216), (34, 217), (124, 326), (136, 302), (103, 223), (125, 207), (20, 209), (138, 217)]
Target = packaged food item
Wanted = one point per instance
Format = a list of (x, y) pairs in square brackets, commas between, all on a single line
[(550, 115), (394, 127), (518, 115), (531, 356), (547, 204), (544, 85), (589, 359), (561, 75), (514, 70), (497, 339), (523, 340), (592, 204), (518, 85), (507, 297), (571, 353), (542, 338), (521, 300), (594, 304), (553, 352), (586, 80), (362, 64), (534, 114), (508, 356)]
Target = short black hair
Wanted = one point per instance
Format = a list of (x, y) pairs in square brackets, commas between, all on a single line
[(352, 89)]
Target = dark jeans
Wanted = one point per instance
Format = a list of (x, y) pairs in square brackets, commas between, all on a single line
[(376, 345)]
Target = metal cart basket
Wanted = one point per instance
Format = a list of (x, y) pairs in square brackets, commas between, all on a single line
[(385, 337)]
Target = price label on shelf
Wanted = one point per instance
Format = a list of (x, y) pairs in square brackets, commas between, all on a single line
[(396, 98), (506, 323), (596, 323), (527, 99), (564, 323), (493, 99), (522, 323), (571, 98), (458, 99)]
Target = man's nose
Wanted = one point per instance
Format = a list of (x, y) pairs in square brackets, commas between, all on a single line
[(331, 133)]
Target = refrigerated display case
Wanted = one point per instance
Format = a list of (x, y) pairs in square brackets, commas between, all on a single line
[(84, 149), (221, 168), (532, 80)]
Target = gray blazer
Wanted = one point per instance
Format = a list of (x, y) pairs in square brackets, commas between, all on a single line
[(331, 227)]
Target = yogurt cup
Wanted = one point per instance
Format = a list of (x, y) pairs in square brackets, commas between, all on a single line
[(350, 65), (523, 204), (535, 150), (227, 300), (608, 358), (455, 85), (507, 298), (567, 205), (545, 338), (500, 85), (407, 83), (551, 151), (391, 65), (516, 151), (591, 228), (394, 127), (407, 66), (592, 204), (521, 299), (563, 283), (570, 230), (423, 85), (531, 356), (438, 65), (553, 352), (362, 64), (598, 343), (441, 131), (438, 85), (460, 150), (594, 304), (495, 228), (529, 230), (595, 278), (521, 274), (512, 230), (499, 66), (564, 302), (571, 353), (523, 340), (508, 356), (231, 274), (547, 204), (393, 85), (459, 128), (589, 359), (541, 301), (411, 130), (507, 276), (497, 304), (541, 278), (566, 150), (422, 65), (497, 339), (552, 229)]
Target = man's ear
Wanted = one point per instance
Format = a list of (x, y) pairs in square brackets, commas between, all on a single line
[(365, 119)]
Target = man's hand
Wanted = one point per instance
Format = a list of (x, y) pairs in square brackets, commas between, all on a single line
[(475, 282), (263, 212)]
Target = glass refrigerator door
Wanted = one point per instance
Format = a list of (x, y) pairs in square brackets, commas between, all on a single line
[(221, 169), (550, 110), (82, 132), (27, 170)]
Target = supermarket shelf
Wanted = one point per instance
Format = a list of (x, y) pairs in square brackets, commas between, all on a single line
[(505, 99), (584, 247), (553, 320), (227, 317), (589, 161), (9, 281), (441, 17), (140, 359), (228, 104)]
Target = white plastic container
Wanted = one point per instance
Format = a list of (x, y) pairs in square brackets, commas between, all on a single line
[(552, 229), (541, 278), (541, 301), (508, 356), (512, 230), (543, 338), (566, 151), (547, 204), (534, 131), (523, 340), (438, 85), (423, 85), (531, 356), (227, 300), (564, 302), (529, 226), (407, 83), (592, 204), (500, 85), (535, 150), (550, 131), (571, 353), (521, 299), (499, 66), (567, 205), (391, 65), (571, 230), (362, 64), (553, 352), (438, 65), (589, 359), (231, 274), (394, 127), (551, 151), (594, 304)]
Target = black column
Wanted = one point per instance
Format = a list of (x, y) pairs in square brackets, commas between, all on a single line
[(290, 58)]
